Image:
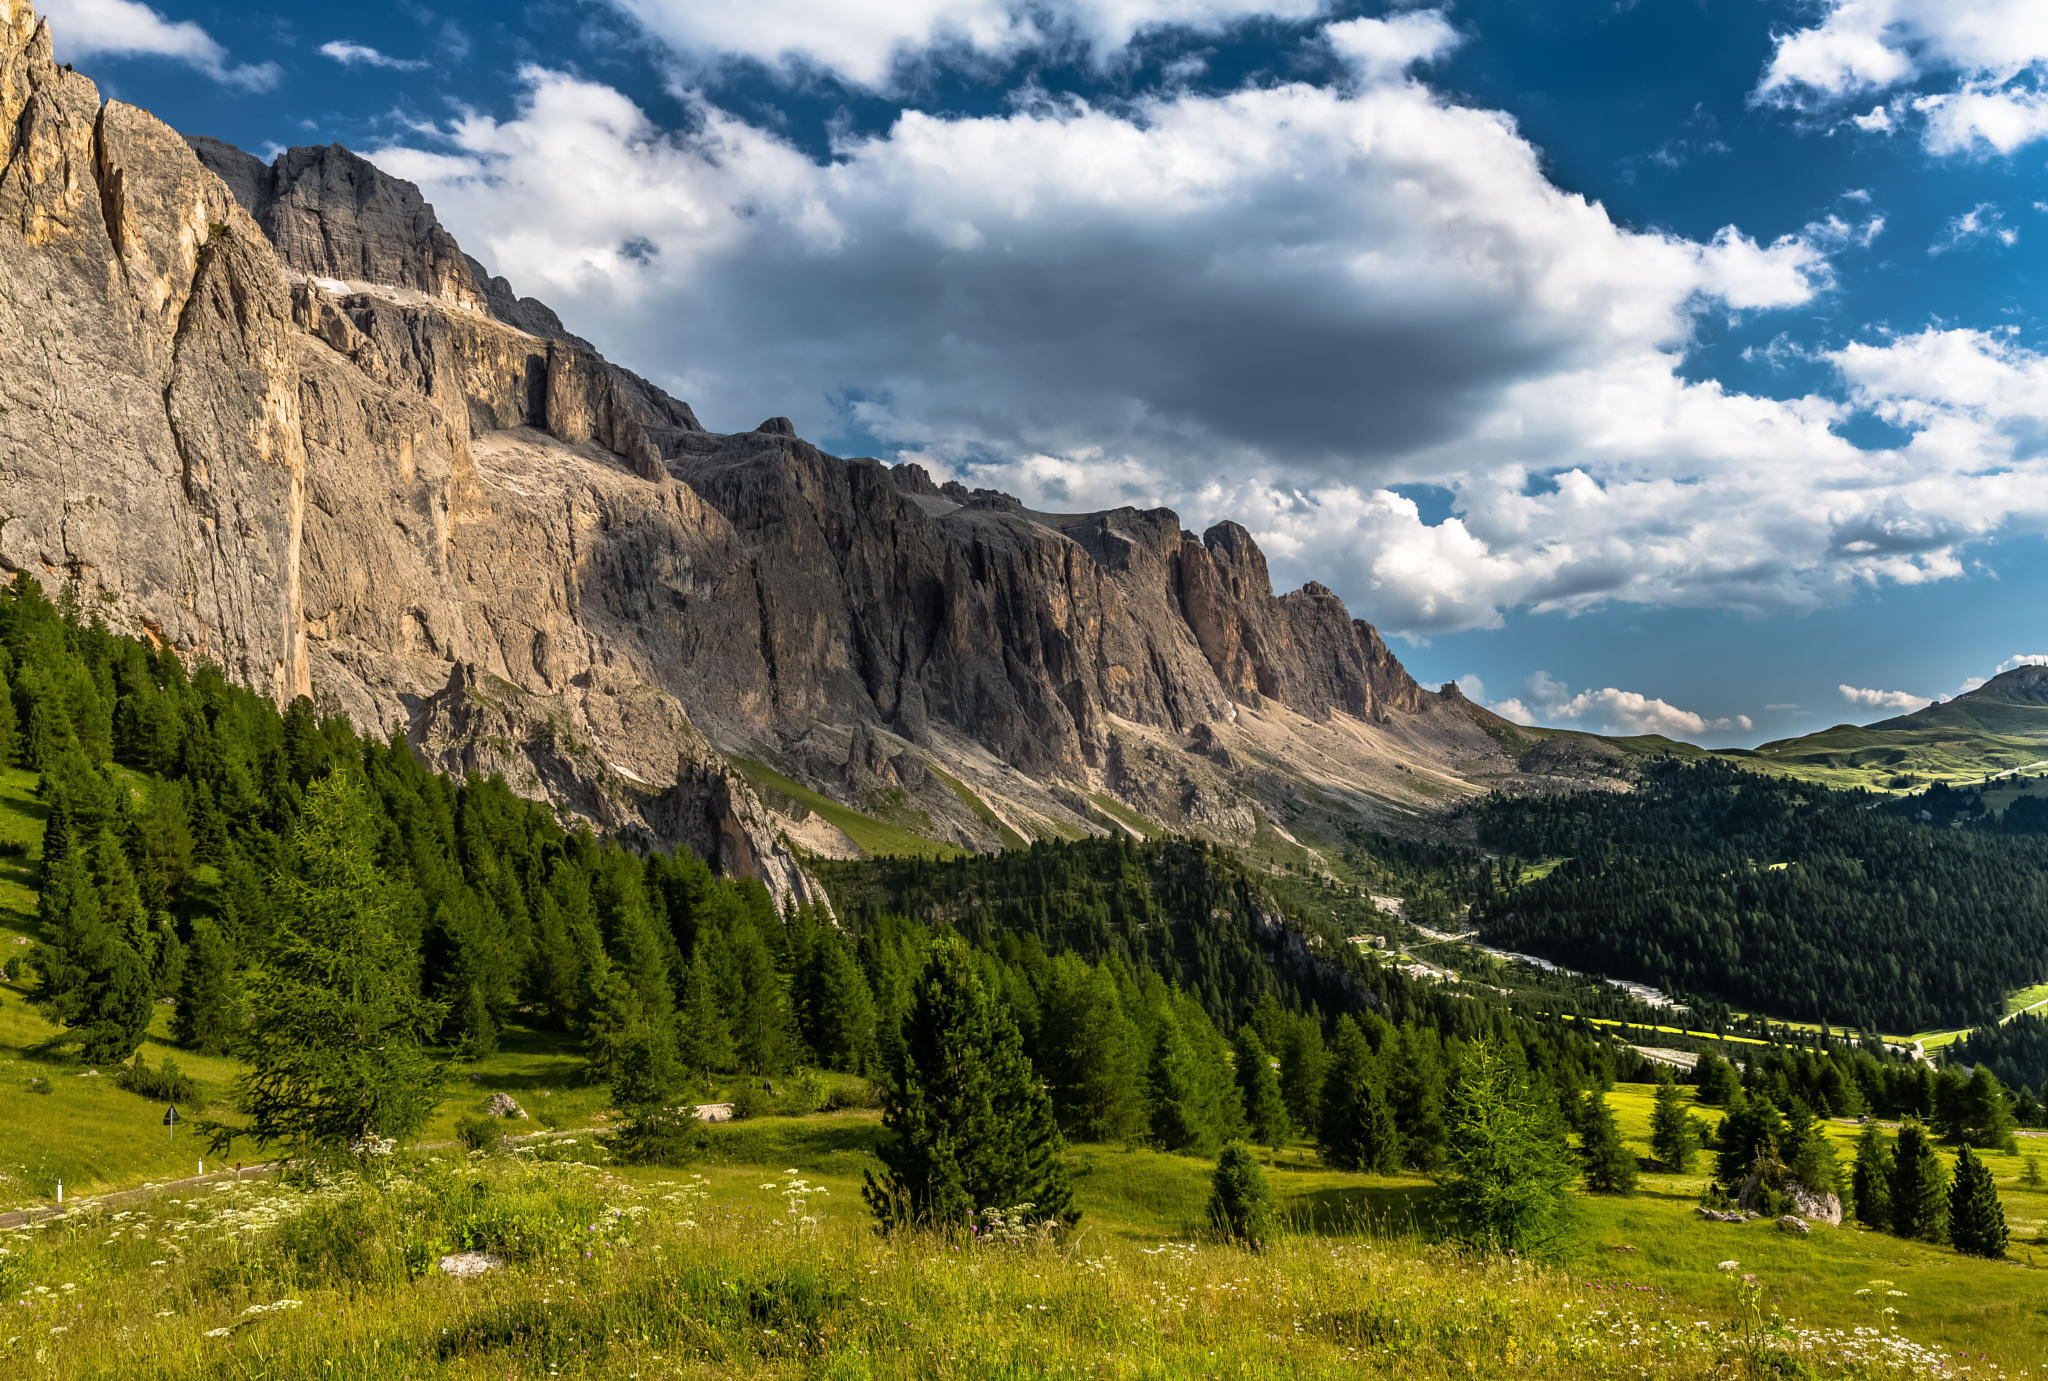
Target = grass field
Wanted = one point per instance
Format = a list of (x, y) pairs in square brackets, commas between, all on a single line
[(760, 1261)]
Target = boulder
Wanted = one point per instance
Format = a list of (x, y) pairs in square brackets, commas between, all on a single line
[(464, 1265), (1796, 1225), (503, 1105), (1812, 1205)]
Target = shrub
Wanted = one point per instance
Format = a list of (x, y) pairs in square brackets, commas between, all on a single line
[(803, 1095), (660, 1137), (480, 1133), (751, 1100), (1240, 1201), (164, 1084)]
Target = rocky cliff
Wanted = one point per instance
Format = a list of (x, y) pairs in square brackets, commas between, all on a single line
[(274, 416)]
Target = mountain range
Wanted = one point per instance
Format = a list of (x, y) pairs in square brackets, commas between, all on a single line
[(273, 416)]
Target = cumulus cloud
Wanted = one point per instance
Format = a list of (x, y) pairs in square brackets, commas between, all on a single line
[(1272, 304), (361, 55), (1902, 701), (82, 29), (2012, 663), (1992, 54), (867, 44), (1546, 700)]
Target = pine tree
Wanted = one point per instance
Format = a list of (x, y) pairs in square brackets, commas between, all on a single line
[(1987, 1118), (1809, 1154), (1091, 1054), (1976, 1218), (336, 1022), (1919, 1186), (1415, 1094), (94, 984), (968, 1126), (1181, 1118), (1240, 1200), (1258, 1083), (1716, 1079), (1507, 1168), (837, 1009), (209, 1017), (703, 1040), (1610, 1165), (1870, 1179), (1674, 1134), (1356, 1131), (1303, 1062)]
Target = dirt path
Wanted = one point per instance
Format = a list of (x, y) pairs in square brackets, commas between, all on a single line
[(120, 1198)]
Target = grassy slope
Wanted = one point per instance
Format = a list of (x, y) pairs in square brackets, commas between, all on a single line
[(872, 835), (1960, 740)]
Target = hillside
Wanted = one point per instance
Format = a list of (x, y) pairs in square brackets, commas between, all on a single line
[(2002, 726)]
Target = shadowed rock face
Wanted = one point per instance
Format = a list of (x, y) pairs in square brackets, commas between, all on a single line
[(273, 416)]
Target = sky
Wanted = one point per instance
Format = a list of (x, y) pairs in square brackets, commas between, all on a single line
[(1645, 365)]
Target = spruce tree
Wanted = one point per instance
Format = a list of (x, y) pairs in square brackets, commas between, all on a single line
[(1919, 1186), (1507, 1168), (1303, 1062), (703, 1041), (1182, 1118), (1356, 1126), (1091, 1054), (94, 983), (1870, 1179), (836, 1008), (209, 1017), (1240, 1200), (1987, 1118), (1674, 1134), (337, 1024), (1976, 1219), (967, 1124), (1265, 1110), (1716, 1079), (1610, 1165)]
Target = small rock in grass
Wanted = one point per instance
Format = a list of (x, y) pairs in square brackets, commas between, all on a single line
[(463, 1265), (1788, 1223), (503, 1105)]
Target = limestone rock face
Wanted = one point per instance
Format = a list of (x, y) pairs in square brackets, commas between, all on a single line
[(274, 417)]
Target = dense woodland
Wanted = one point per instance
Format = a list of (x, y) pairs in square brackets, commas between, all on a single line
[(186, 815), (346, 921), (1771, 896)]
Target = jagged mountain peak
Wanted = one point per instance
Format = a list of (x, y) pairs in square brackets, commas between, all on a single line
[(280, 420)]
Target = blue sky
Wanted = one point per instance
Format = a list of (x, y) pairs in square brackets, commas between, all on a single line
[(1662, 364)]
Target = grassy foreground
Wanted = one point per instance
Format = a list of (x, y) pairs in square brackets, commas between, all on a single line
[(740, 1270)]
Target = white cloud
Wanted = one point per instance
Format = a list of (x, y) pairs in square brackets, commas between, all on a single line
[(1608, 710), (1981, 222), (1382, 48), (1632, 712), (1903, 701), (2021, 659), (1271, 304), (1994, 52), (361, 55), (82, 29), (866, 43)]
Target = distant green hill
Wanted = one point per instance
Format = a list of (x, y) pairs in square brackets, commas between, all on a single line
[(2001, 726)]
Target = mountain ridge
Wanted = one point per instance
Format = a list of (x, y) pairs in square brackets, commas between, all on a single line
[(290, 426)]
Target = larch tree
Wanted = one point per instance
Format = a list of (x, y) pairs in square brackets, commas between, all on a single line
[(337, 1025)]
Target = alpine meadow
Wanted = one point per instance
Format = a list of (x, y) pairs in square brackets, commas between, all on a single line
[(502, 879)]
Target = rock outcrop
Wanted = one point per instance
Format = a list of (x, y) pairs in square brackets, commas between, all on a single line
[(273, 416)]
